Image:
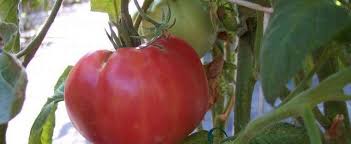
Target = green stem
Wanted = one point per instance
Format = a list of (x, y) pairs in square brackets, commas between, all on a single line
[(3, 128), (324, 121), (244, 84), (330, 89), (258, 40), (218, 107), (217, 122), (125, 27), (144, 8), (258, 125), (34, 45), (312, 128)]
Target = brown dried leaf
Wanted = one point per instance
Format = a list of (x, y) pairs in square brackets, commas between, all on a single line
[(213, 71)]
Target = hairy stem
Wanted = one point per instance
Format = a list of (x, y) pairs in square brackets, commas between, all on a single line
[(126, 28), (245, 83), (34, 45), (229, 107), (330, 89), (256, 126), (144, 8)]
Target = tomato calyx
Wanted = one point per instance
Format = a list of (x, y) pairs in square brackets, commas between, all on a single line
[(165, 35), (160, 29)]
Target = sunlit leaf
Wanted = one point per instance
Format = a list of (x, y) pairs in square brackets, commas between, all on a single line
[(43, 127), (111, 7)]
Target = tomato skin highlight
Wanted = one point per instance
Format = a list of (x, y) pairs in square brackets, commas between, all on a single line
[(152, 95)]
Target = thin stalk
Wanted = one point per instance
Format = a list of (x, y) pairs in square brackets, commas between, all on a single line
[(244, 84), (258, 41), (328, 90), (217, 122), (34, 45), (144, 15), (324, 121), (144, 8), (229, 107), (129, 34), (260, 27)]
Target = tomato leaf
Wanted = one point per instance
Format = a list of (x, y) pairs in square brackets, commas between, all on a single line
[(43, 127), (9, 11), (312, 128), (111, 7), (296, 29), (9, 14), (13, 82), (8, 32), (278, 133), (282, 132)]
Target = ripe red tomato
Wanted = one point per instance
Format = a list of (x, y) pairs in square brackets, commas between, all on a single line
[(152, 95)]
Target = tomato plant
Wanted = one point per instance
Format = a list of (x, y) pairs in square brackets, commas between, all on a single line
[(192, 22), (152, 94), (158, 92)]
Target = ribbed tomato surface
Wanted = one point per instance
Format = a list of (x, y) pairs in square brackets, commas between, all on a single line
[(148, 95)]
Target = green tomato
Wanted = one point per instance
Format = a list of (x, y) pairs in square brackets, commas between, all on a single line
[(192, 22)]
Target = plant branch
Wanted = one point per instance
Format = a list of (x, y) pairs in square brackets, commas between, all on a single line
[(125, 26), (324, 121), (230, 106), (34, 45), (328, 90), (144, 8), (256, 126), (144, 15), (251, 5), (245, 74)]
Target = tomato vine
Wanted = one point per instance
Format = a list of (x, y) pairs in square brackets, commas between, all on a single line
[(252, 43)]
